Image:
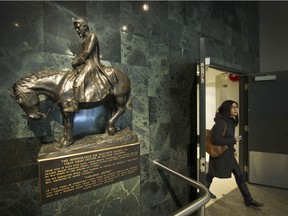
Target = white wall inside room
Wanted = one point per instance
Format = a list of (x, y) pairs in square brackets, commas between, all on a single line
[(211, 96)]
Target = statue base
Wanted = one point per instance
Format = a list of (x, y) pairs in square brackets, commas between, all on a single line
[(92, 162)]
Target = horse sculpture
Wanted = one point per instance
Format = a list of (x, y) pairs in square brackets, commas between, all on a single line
[(58, 86)]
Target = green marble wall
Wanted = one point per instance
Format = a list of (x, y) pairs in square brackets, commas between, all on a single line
[(158, 52)]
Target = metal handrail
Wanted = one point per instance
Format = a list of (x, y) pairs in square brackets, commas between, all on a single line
[(196, 204)]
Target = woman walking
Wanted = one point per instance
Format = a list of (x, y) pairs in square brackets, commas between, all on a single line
[(221, 167)]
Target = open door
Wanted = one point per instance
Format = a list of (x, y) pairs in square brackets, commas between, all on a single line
[(221, 85), (267, 129)]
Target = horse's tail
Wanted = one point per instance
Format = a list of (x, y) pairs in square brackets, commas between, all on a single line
[(128, 99)]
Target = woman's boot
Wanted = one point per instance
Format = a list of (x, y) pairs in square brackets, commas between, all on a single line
[(208, 184), (249, 202)]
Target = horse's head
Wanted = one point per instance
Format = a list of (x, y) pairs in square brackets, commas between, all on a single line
[(28, 101)]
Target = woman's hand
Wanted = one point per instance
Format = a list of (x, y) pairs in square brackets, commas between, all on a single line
[(238, 138)]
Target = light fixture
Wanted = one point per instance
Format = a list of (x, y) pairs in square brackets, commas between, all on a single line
[(145, 7), (16, 24), (124, 28)]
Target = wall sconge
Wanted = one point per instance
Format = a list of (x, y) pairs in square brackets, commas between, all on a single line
[(124, 28), (145, 7)]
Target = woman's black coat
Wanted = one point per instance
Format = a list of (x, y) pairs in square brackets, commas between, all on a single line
[(223, 165)]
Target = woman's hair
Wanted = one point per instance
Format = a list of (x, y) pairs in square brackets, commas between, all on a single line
[(225, 108)]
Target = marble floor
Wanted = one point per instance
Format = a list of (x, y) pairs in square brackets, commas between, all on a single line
[(230, 202)]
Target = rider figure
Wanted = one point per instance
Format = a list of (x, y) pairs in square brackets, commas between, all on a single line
[(89, 70)]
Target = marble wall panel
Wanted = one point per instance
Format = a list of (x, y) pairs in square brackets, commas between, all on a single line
[(21, 53), (18, 159), (193, 15), (175, 36), (137, 117), (228, 53), (121, 198), (59, 34), (237, 57), (180, 187), (158, 41), (145, 163), (230, 15), (158, 54), (9, 116), (187, 40), (195, 47), (159, 112), (160, 141), (161, 196), (134, 18), (133, 49), (159, 82), (55, 61), (178, 158), (214, 48), (216, 32), (177, 12), (140, 122), (104, 18), (21, 26), (228, 35), (20, 198), (158, 27), (180, 44)]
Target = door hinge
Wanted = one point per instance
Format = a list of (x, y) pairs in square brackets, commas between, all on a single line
[(203, 165), (246, 169), (246, 87), (246, 128)]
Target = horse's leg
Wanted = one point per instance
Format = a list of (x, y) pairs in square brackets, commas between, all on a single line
[(66, 139), (121, 107)]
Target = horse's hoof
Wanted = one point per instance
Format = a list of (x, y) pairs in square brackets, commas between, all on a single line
[(111, 131), (60, 141), (64, 143)]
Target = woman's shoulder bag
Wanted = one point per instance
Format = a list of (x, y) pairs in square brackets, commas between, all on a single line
[(213, 150)]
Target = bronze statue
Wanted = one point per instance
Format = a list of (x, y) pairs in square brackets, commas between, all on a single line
[(88, 85)]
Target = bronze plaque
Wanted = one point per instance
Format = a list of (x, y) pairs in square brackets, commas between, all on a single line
[(68, 175)]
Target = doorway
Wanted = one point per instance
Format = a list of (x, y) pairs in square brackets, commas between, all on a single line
[(221, 85)]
